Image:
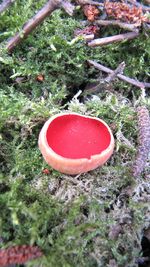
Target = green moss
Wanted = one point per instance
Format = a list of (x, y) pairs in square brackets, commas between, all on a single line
[(69, 218)]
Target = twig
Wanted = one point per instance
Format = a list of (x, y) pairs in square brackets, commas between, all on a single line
[(125, 26), (5, 4), (67, 6), (118, 70), (104, 83), (113, 39), (86, 37), (147, 1), (89, 2), (144, 8), (120, 76), (49, 7)]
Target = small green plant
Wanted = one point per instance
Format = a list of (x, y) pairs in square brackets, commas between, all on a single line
[(69, 218)]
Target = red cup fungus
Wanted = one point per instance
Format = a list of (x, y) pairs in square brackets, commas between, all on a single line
[(72, 143)]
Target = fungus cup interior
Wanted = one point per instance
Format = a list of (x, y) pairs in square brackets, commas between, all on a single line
[(74, 136)]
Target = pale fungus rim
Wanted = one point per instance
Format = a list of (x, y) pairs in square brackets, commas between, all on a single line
[(69, 164)]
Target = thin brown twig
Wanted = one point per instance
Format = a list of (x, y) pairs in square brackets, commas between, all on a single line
[(103, 84), (147, 1), (125, 26), (113, 39), (135, 3), (89, 2), (47, 9), (120, 76), (113, 75), (86, 37), (5, 4), (67, 6)]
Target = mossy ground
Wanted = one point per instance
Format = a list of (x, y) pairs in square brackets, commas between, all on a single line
[(73, 220)]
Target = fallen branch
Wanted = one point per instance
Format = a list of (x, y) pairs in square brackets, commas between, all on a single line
[(85, 37), (147, 1), (135, 3), (120, 76), (49, 7), (67, 6), (103, 84), (113, 39), (5, 4), (89, 2), (125, 26), (113, 75)]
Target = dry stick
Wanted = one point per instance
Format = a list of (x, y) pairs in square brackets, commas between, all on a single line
[(103, 83), (88, 37), (125, 26), (89, 2), (113, 39), (147, 1), (49, 7), (120, 76), (114, 74), (5, 4), (85, 37), (135, 3), (67, 6)]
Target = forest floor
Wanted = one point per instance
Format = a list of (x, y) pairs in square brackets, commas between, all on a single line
[(96, 219)]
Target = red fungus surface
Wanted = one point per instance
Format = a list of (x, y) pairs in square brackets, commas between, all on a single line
[(74, 136)]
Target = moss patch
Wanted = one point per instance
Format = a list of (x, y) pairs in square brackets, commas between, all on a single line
[(72, 219)]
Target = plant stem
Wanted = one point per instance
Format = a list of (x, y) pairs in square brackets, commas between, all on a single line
[(46, 10), (113, 39), (125, 26), (5, 4), (120, 76)]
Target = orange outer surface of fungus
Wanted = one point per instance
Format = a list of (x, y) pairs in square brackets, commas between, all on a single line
[(73, 164)]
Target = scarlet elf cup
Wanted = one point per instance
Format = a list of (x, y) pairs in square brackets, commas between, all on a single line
[(72, 143)]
